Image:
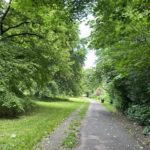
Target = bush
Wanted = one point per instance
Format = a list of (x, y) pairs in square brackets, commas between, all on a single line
[(146, 130), (140, 113), (10, 105), (28, 104)]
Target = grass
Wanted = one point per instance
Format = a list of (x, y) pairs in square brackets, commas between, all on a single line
[(25, 132), (84, 110), (71, 140), (109, 107)]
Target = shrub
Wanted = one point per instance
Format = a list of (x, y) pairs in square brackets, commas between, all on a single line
[(28, 104), (10, 105), (140, 113), (146, 130)]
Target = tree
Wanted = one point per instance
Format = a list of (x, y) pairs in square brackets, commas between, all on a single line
[(37, 43), (121, 40)]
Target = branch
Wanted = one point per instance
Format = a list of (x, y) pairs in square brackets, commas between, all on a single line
[(21, 34), (4, 16), (16, 26), (28, 40)]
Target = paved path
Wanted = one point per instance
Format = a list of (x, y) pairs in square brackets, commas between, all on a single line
[(100, 131)]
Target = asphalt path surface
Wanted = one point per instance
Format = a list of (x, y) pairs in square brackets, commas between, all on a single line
[(101, 131)]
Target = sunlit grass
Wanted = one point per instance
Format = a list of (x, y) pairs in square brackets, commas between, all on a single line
[(23, 133)]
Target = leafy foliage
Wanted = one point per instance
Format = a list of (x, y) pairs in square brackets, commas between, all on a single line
[(10, 105), (140, 113), (121, 39), (39, 47), (90, 81)]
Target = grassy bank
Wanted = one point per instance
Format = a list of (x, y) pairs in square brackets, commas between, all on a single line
[(109, 107), (23, 133)]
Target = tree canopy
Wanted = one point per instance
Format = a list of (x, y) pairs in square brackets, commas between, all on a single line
[(121, 38), (40, 49), (38, 41)]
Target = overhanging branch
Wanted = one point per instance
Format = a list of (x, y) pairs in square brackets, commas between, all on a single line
[(21, 34), (3, 17), (15, 26)]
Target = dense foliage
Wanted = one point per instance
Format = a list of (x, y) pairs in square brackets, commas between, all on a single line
[(40, 51), (121, 37), (90, 81)]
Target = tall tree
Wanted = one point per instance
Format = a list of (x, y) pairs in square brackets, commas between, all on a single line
[(121, 39)]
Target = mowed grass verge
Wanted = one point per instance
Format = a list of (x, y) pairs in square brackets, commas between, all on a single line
[(25, 132)]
